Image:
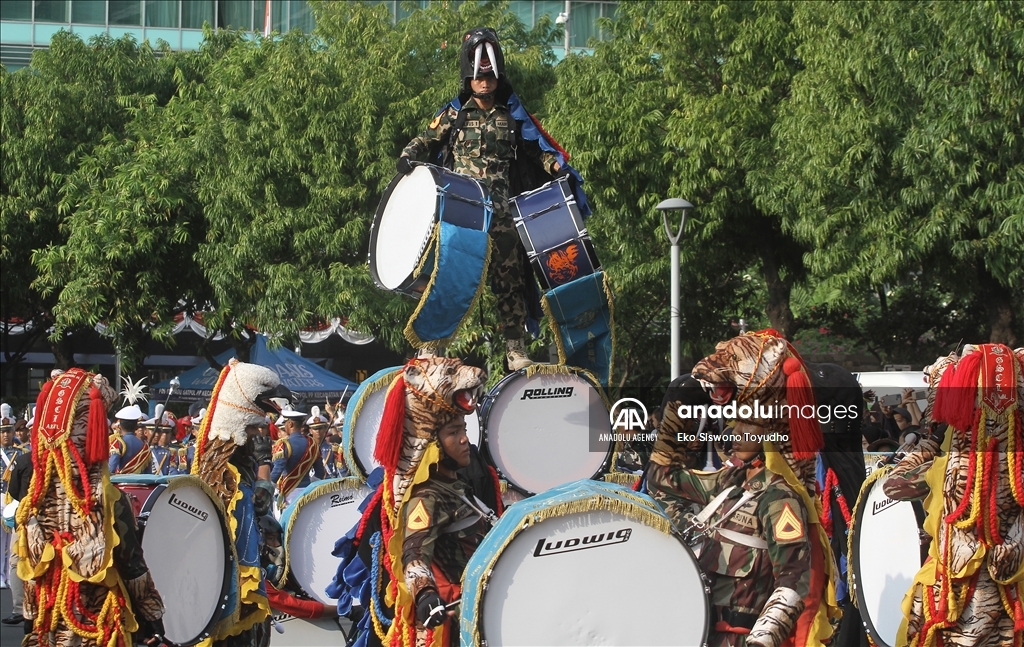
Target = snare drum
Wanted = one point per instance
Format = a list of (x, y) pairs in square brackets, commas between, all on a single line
[(546, 430), (552, 230), (312, 524), (541, 575), (365, 410), (885, 555), (404, 223), (187, 544)]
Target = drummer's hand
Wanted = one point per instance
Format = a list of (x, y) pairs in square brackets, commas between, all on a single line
[(404, 165), (430, 609)]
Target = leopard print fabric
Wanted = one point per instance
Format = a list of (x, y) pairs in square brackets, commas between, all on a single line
[(431, 385), (749, 368)]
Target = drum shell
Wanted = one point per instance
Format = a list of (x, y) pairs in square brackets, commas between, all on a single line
[(552, 231), (487, 415), (458, 199)]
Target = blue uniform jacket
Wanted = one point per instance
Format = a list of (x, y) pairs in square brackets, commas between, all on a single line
[(129, 445), (294, 447)]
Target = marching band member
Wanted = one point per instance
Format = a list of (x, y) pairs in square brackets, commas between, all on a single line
[(444, 523), (482, 138), (19, 478), (162, 424), (296, 455), (318, 425), (8, 453), (129, 454)]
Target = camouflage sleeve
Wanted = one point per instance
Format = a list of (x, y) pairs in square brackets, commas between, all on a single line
[(424, 519), (789, 548), (906, 481), (683, 483), (436, 131)]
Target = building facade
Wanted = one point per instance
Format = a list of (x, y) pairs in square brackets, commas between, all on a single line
[(26, 25)]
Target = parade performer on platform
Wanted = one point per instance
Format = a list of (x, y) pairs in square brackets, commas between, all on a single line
[(970, 466), (294, 458), (86, 582), (225, 460), (770, 560), (129, 454), (486, 133)]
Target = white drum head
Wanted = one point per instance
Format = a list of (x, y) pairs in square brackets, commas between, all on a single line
[(186, 551), (299, 632), (364, 432), (538, 430), (887, 555), (549, 588), (405, 226), (316, 526)]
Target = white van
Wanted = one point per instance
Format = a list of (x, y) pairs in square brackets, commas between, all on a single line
[(893, 382)]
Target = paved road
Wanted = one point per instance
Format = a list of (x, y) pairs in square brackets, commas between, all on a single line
[(9, 636)]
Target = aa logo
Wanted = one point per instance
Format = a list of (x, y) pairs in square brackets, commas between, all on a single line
[(628, 418)]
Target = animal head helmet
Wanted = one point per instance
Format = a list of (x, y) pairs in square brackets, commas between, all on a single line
[(481, 55), (244, 395)]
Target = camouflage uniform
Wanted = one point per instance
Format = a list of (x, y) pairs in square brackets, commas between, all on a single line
[(486, 150), (744, 577), (441, 533)]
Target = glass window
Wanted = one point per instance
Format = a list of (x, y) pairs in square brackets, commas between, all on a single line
[(125, 12), (89, 12), (301, 16), (523, 10), (548, 7), (583, 23), (195, 12), (236, 14), (161, 13), (51, 11), (16, 10)]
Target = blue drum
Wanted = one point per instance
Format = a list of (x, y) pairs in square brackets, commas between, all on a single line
[(552, 230), (544, 574)]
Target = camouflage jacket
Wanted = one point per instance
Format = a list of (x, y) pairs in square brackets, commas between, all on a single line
[(743, 577), (906, 481), (441, 532), (486, 145)]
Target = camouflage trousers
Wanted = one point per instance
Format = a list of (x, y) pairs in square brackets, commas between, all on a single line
[(506, 271)]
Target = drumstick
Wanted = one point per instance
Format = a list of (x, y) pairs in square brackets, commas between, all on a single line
[(453, 604)]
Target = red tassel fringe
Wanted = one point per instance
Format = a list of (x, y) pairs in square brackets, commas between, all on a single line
[(392, 425), (97, 448), (804, 432), (958, 393)]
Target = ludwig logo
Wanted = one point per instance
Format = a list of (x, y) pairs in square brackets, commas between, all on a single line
[(188, 508), (628, 418), (549, 547)]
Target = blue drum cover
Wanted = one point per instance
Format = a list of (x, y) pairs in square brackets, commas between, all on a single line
[(583, 316)]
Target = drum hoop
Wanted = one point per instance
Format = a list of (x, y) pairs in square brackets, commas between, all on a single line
[(403, 287), (329, 486), (379, 380), (484, 414), (230, 564), (853, 551), (485, 578)]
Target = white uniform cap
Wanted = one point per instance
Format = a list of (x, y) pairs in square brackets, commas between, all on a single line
[(131, 412), (5, 410)]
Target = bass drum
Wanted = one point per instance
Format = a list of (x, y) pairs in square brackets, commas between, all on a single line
[(885, 555), (541, 575), (365, 410), (187, 543), (546, 430), (312, 524)]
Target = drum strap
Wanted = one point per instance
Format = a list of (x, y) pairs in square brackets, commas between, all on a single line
[(481, 510), (742, 538)]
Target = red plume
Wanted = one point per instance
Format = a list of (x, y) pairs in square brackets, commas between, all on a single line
[(804, 433), (956, 398), (392, 427), (97, 448)]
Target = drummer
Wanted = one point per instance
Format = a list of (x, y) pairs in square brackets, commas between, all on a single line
[(484, 141), (294, 457), (129, 454), (318, 424), (444, 524), (760, 548)]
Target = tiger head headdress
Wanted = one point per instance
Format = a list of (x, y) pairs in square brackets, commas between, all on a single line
[(761, 371), (428, 394)]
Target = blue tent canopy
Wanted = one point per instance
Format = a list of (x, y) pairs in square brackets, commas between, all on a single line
[(304, 378)]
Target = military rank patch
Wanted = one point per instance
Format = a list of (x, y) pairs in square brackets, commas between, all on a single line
[(788, 527), (419, 519)]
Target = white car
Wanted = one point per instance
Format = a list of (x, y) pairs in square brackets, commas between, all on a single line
[(885, 383)]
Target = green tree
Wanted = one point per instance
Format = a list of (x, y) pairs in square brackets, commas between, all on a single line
[(54, 113)]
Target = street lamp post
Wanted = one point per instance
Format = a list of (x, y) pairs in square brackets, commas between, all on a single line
[(666, 207)]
